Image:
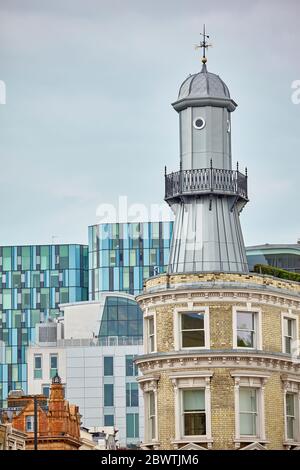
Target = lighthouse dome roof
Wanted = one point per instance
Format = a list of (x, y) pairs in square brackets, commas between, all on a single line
[(203, 85)]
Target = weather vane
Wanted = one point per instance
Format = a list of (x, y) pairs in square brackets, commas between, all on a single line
[(204, 45)]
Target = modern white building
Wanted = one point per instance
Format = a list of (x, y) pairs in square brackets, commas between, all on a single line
[(92, 347)]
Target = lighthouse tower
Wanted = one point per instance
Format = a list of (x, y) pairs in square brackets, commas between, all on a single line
[(206, 194), (221, 344)]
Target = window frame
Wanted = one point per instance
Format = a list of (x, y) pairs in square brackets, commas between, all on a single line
[(37, 369), (192, 381), (257, 327), (29, 418), (149, 384), (178, 312), (45, 386), (136, 426), (134, 366), (250, 380), (130, 388), (51, 368), (255, 413), (150, 337), (112, 395), (112, 366), (294, 416), (295, 338), (151, 418), (106, 416), (182, 420), (292, 386)]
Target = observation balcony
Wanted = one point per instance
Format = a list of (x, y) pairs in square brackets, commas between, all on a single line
[(206, 181)]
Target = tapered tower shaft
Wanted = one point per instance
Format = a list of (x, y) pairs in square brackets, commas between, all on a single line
[(206, 194)]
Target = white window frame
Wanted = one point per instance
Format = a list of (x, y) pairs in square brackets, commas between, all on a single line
[(250, 380), (292, 385), (295, 339), (150, 384), (31, 420), (182, 390), (178, 312), (192, 381), (151, 417), (148, 316), (256, 413), (295, 416), (257, 327)]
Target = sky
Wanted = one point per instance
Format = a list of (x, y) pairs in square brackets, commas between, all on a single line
[(88, 115)]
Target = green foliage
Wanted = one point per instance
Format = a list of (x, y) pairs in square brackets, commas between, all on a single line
[(276, 272)]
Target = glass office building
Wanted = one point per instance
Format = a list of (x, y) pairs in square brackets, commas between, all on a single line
[(123, 255), (280, 256), (34, 281)]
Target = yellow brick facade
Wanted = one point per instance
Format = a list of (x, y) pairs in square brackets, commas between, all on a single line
[(222, 409), (221, 363)]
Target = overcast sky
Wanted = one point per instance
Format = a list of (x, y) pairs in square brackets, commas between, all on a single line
[(88, 115)]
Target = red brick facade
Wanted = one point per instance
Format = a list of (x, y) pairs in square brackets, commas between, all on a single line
[(58, 423)]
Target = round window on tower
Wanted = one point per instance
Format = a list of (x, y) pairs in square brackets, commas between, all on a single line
[(199, 123)]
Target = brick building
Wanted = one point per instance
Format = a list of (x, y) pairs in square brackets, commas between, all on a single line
[(216, 384), (58, 422)]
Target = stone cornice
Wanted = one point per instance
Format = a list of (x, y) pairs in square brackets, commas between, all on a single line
[(224, 281), (218, 359), (219, 294)]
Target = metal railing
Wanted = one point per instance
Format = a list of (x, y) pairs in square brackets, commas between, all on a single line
[(100, 341), (206, 180)]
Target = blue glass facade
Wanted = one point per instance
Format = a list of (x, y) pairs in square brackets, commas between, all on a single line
[(123, 255), (34, 281)]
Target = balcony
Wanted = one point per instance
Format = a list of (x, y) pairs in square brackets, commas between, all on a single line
[(206, 181)]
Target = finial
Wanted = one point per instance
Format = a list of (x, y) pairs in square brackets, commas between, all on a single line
[(211, 163), (56, 379), (203, 44), (246, 171), (237, 166), (165, 170)]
